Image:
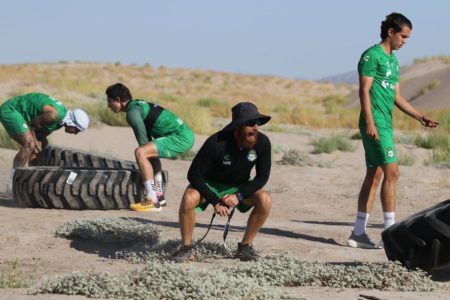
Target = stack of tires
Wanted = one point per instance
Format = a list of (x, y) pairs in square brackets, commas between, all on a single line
[(421, 240), (73, 179)]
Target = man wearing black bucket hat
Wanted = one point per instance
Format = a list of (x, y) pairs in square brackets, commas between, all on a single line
[(220, 175)]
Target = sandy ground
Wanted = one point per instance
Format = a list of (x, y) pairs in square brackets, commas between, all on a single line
[(312, 215)]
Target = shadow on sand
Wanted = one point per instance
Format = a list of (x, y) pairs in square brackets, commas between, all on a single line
[(6, 200)]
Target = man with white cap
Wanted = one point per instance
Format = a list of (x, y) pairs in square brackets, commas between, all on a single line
[(220, 175), (30, 118)]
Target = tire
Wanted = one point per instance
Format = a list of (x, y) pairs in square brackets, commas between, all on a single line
[(421, 240), (76, 188), (69, 158)]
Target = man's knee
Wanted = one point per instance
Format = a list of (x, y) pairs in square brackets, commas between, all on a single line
[(191, 198), (263, 201)]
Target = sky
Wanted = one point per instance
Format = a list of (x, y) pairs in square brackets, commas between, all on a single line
[(304, 39)]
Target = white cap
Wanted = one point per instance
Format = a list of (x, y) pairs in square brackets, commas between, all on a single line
[(78, 118)]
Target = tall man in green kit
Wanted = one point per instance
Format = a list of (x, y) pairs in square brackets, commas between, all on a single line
[(30, 118), (159, 133), (379, 90)]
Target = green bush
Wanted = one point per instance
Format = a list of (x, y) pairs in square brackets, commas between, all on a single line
[(331, 144)]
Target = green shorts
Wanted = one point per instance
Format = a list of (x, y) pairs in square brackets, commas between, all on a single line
[(221, 190), (13, 121), (175, 144), (381, 152)]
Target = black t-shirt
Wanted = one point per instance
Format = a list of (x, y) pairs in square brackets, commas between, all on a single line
[(221, 160)]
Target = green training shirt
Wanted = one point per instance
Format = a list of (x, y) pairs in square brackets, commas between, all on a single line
[(385, 71), (167, 123), (30, 106)]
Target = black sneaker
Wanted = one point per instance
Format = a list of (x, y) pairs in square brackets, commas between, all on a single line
[(185, 254), (245, 252)]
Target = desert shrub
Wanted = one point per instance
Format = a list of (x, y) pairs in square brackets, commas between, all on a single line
[(7, 142), (331, 144), (14, 278), (432, 141), (260, 279), (406, 160), (101, 113), (198, 119), (296, 158), (334, 103), (440, 158), (112, 229)]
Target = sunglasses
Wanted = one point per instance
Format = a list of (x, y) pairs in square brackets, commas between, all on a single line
[(252, 123)]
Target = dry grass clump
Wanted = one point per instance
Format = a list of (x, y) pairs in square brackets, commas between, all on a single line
[(331, 144)]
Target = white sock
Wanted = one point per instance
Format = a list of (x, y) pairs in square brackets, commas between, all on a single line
[(158, 179), (389, 219), (361, 222), (149, 191)]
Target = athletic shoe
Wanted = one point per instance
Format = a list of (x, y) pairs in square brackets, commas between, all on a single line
[(161, 199), (185, 254), (245, 252), (362, 241), (146, 205)]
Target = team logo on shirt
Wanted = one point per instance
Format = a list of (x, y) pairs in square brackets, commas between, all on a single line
[(25, 125), (390, 152), (226, 160), (251, 156)]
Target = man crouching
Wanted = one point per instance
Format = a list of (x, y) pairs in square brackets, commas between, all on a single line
[(220, 175)]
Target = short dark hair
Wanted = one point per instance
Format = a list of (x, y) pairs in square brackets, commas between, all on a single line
[(395, 21), (119, 90)]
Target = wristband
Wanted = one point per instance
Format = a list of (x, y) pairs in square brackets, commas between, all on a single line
[(239, 197)]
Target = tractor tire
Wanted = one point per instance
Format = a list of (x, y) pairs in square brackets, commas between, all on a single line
[(421, 240), (76, 188), (69, 158)]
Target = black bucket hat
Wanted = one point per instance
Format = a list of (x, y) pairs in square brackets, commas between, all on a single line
[(244, 112)]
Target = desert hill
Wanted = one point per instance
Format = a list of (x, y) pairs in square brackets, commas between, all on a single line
[(426, 83)]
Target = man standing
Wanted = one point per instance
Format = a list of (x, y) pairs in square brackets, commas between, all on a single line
[(379, 90), (220, 175), (159, 133)]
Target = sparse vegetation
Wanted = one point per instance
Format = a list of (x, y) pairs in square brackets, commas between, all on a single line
[(262, 279), (14, 278), (296, 158), (331, 144), (440, 158), (406, 159), (432, 141)]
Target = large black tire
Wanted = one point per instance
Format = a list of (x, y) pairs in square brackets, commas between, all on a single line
[(69, 158), (421, 240), (76, 188)]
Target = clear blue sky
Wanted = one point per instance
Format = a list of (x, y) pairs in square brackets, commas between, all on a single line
[(298, 39)]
